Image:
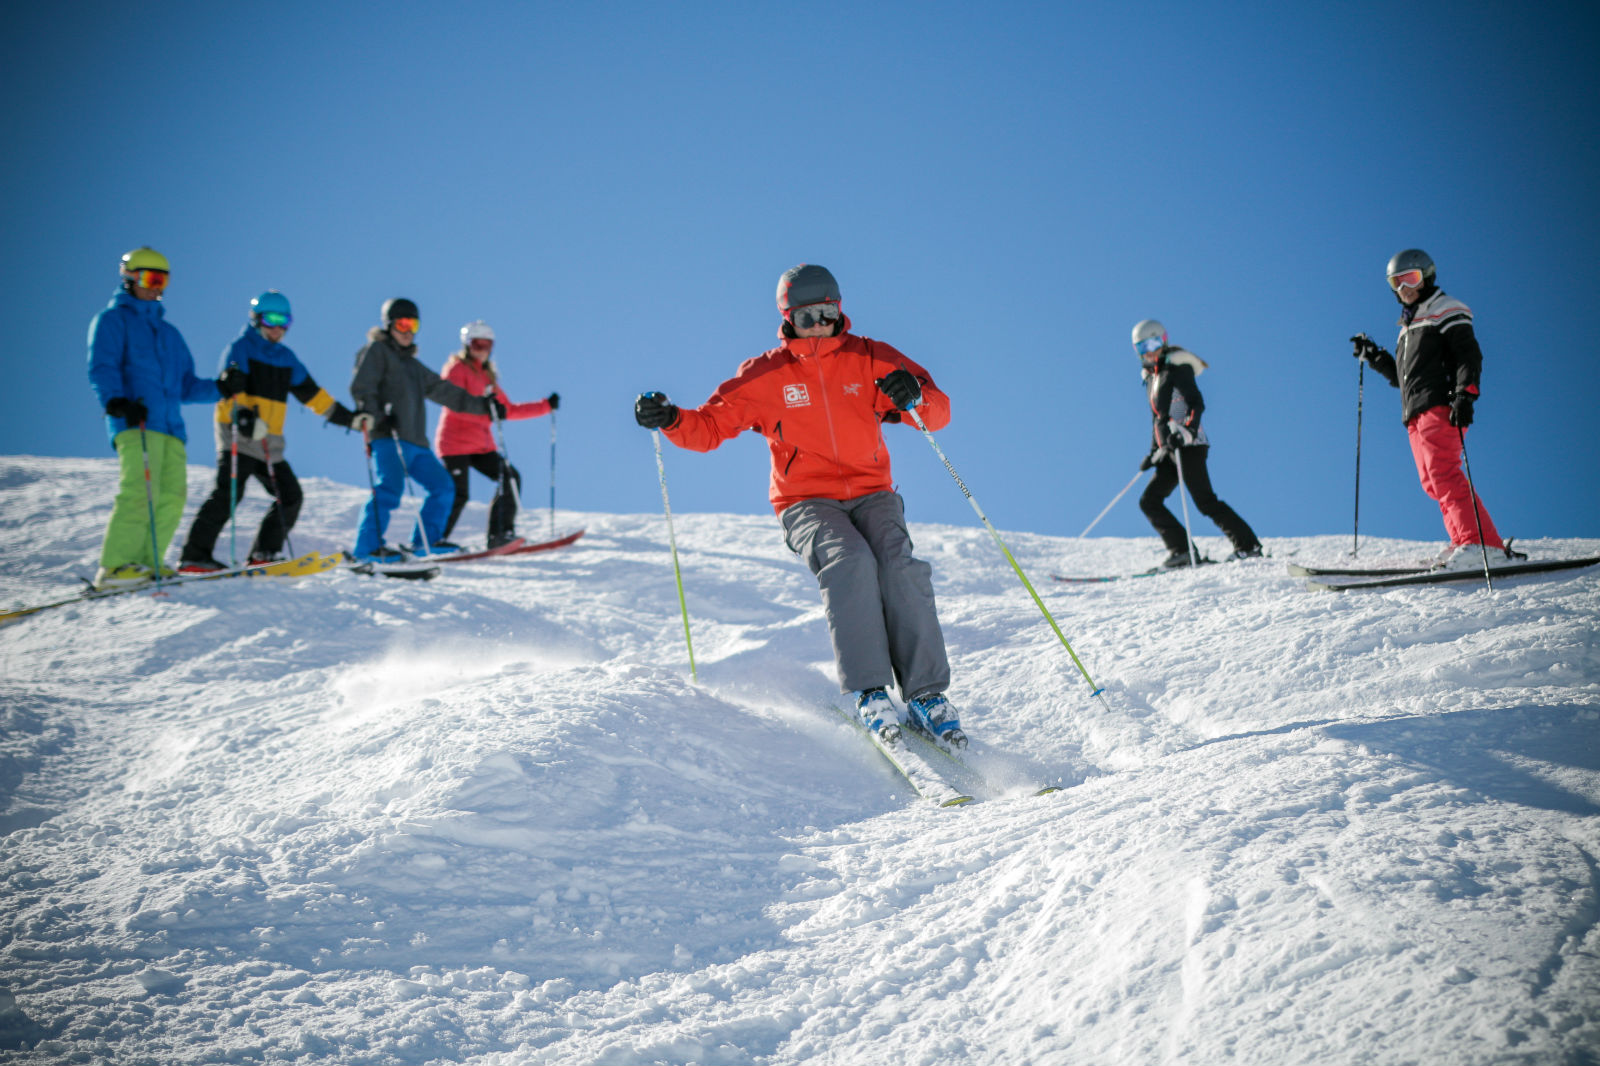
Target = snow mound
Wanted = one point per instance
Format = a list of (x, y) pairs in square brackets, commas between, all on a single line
[(491, 818)]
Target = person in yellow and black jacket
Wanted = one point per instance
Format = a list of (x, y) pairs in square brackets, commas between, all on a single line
[(253, 419)]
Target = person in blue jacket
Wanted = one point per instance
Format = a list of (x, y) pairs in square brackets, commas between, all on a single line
[(142, 373), (250, 440)]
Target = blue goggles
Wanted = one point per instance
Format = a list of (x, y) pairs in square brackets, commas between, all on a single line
[(1149, 346), (275, 319)]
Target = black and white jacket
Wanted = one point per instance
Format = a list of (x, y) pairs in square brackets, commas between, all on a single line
[(1435, 356), (1174, 395)]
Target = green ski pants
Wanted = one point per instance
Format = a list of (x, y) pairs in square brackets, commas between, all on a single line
[(127, 537)]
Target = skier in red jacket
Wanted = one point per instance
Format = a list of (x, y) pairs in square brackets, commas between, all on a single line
[(821, 398), (465, 442)]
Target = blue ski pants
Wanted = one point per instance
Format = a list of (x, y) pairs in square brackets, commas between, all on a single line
[(394, 460)]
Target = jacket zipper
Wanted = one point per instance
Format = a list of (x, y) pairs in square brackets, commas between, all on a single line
[(827, 414)]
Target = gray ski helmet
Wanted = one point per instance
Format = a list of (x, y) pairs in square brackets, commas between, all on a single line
[(399, 307), (1147, 329), (806, 284), (1411, 259)]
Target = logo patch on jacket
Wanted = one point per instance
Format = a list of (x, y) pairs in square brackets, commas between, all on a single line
[(796, 396), (853, 389)]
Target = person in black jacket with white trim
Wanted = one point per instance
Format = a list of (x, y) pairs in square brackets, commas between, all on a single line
[(1175, 407), (1435, 365)]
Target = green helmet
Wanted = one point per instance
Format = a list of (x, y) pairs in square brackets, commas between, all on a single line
[(144, 258)]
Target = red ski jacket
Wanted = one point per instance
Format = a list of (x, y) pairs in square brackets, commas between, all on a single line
[(815, 401), (464, 434)]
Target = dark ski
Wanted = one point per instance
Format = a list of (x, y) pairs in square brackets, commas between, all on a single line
[(1435, 577)]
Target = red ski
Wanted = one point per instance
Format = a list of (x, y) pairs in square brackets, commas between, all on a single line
[(510, 547), (559, 542)]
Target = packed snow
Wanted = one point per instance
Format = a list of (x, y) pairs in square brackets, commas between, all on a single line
[(492, 819)]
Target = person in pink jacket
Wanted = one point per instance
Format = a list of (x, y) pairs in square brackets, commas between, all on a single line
[(465, 442)]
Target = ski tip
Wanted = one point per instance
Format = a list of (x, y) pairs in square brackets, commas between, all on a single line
[(1046, 790), (957, 801)]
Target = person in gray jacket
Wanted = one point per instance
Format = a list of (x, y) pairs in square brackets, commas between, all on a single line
[(389, 387)]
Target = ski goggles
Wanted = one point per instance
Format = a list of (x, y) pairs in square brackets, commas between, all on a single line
[(154, 280), (276, 319), (814, 315), (405, 325), (481, 344), (1409, 279), (1149, 346)]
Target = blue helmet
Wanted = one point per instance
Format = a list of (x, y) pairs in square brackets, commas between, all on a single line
[(273, 306)]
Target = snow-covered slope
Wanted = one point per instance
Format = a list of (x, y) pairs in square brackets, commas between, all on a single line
[(490, 818)]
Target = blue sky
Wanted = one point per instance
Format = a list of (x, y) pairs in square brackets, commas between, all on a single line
[(1001, 191)]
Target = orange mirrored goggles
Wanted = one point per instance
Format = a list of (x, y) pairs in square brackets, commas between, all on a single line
[(155, 280), (1410, 279), (405, 325)]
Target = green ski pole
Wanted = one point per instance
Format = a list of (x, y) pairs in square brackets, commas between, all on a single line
[(1096, 691), (677, 573), (150, 504)]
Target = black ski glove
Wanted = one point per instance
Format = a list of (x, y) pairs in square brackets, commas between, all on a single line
[(130, 411), (1365, 347), (652, 411), (902, 388), (1148, 462), (497, 406), (232, 382), (249, 422), (340, 415), (554, 400), (1461, 410)]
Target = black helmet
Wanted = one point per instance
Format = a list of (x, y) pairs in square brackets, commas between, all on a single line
[(399, 307), (806, 284), (1411, 259)]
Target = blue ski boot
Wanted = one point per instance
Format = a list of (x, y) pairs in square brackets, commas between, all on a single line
[(878, 714), (936, 716)]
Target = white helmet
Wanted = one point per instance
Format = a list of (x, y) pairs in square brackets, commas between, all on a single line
[(477, 329), (1147, 329)]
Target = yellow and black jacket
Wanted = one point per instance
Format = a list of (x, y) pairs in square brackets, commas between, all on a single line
[(274, 374)]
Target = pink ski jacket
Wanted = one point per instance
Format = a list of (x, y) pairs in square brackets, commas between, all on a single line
[(464, 434)]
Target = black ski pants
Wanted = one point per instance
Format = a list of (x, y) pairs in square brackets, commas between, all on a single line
[(1198, 482), (281, 485), (503, 509)]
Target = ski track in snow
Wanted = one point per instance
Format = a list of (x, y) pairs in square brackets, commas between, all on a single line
[(490, 819)]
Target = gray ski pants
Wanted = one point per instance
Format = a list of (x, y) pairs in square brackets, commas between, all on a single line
[(878, 599)]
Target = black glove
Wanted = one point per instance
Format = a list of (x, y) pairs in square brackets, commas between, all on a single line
[(130, 411), (249, 422), (232, 382), (652, 411), (554, 400), (497, 406), (383, 426), (1365, 347), (340, 415), (1147, 462), (1461, 410), (902, 388)]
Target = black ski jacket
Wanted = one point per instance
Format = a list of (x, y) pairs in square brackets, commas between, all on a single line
[(1175, 395), (1435, 356)]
